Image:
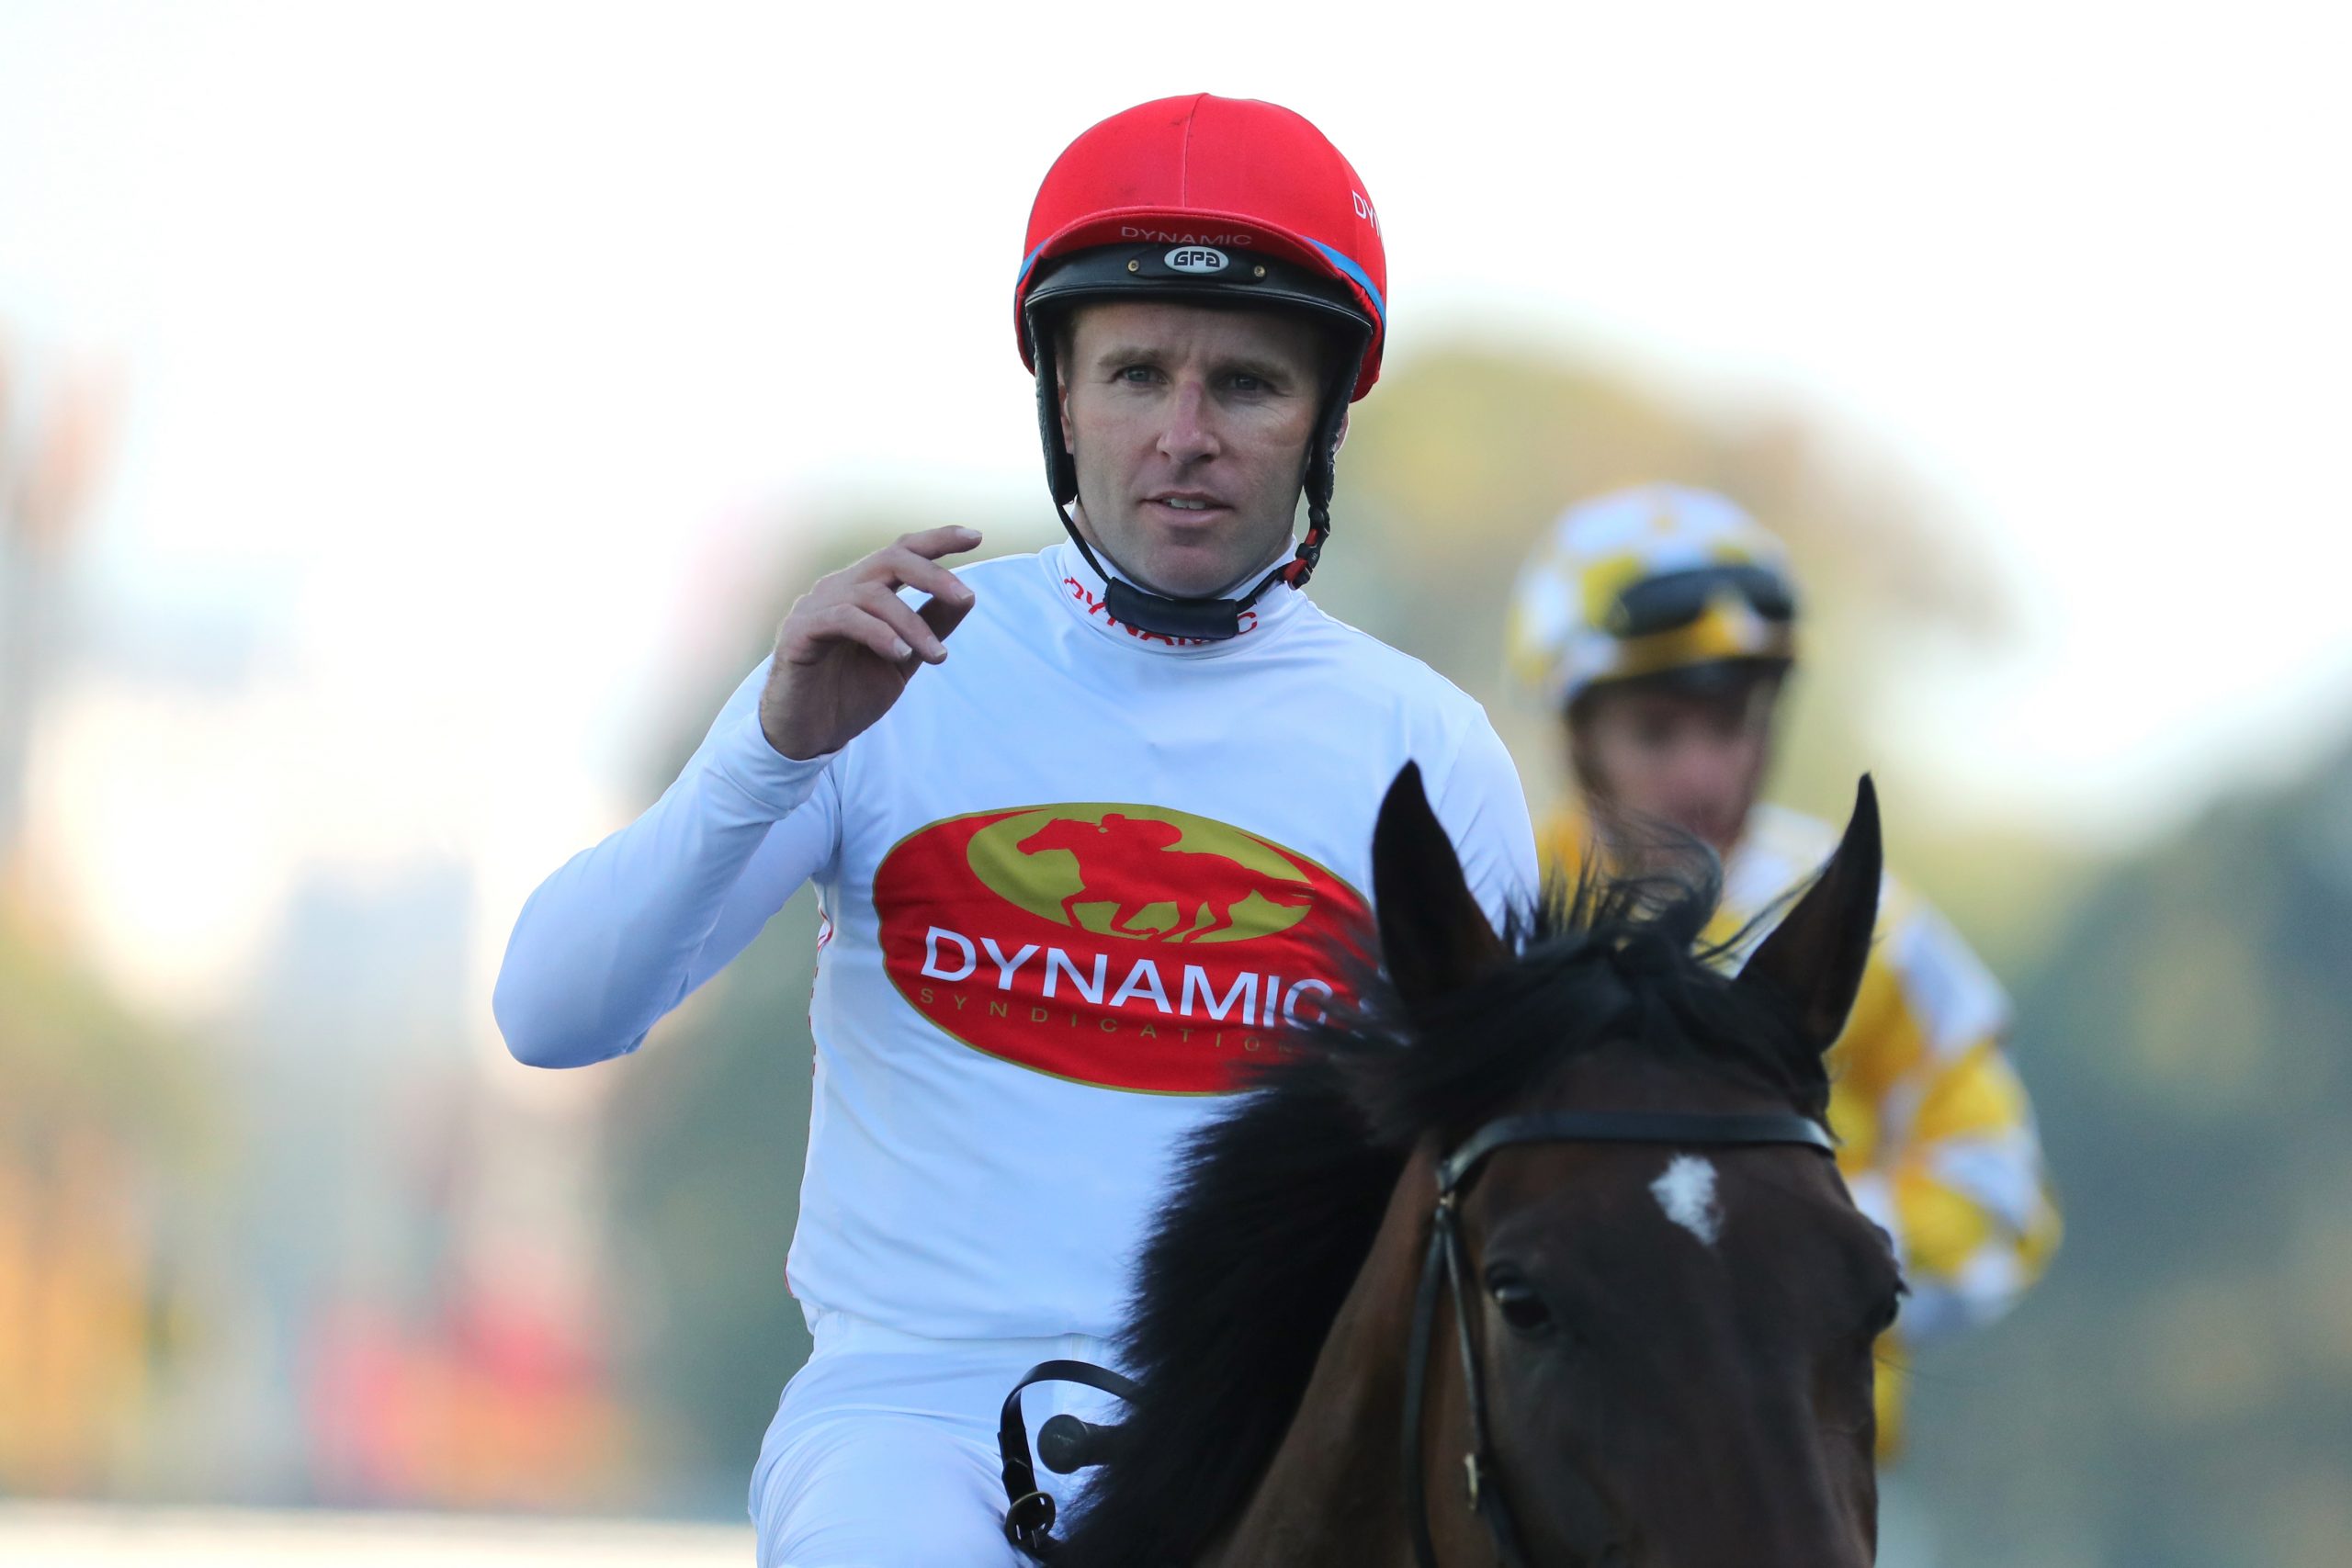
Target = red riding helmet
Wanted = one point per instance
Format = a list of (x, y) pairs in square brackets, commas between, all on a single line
[(1226, 174), (1225, 200)]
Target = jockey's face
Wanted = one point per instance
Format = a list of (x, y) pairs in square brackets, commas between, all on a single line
[(1189, 427), (1692, 759)]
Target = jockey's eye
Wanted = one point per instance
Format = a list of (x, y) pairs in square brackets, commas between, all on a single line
[(1520, 1303)]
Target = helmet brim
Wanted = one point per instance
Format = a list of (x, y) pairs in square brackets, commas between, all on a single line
[(1297, 273), (1240, 279)]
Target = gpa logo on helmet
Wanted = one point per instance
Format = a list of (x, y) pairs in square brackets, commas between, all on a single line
[(1198, 258), (1125, 946)]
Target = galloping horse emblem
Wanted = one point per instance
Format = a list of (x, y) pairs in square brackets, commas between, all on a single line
[(1132, 864)]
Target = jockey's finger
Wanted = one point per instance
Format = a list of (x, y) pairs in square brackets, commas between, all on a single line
[(837, 624), (900, 617), (943, 617), (902, 568), (931, 544)]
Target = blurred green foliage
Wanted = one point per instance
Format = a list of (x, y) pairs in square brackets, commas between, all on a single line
[(2180, 1390), (71, 1051), (109, 1142), (706, 1141)]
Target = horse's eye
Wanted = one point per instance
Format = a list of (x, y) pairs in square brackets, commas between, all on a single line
[(1520, 1304)]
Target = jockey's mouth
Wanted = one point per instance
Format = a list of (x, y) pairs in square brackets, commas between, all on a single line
[(1185, 506)]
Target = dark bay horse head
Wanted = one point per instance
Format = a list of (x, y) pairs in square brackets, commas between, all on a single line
[(1673, 1337), (1678, 1338)]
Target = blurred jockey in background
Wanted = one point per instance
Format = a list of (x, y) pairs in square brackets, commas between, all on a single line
[(1660, 623)]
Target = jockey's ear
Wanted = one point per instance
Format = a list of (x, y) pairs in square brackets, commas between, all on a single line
[(1433, 937), (1812, 962)]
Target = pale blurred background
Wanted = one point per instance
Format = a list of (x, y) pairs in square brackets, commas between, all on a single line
[(413, 418)]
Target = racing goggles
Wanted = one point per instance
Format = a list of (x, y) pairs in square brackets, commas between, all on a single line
[(1674, 600)]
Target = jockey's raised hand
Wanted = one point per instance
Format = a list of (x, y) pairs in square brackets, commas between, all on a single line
[(850, 644)]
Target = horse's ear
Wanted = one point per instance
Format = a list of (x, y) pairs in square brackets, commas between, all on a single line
[(1812, 962), (1433, 937)]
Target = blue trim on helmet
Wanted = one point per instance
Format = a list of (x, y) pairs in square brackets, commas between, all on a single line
[(1354, 274), (1026, 263)]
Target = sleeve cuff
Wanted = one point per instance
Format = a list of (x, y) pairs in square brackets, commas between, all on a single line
[(765, 776)]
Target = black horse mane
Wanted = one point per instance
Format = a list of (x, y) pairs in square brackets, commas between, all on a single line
[(1276, 1203)]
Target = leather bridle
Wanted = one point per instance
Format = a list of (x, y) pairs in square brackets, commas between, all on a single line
[(1445, 1264)]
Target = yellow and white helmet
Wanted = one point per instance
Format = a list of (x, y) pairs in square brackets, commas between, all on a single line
[(1648, 581)]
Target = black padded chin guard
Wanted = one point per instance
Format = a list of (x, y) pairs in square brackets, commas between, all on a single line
[(1196, 620)]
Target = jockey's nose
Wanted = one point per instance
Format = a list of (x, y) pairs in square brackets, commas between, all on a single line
[(1188, 436)]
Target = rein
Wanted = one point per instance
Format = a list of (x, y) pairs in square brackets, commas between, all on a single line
[(1445, 1264)]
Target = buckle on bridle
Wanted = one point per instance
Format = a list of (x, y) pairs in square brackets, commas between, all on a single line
[(1029, 1515), (1029, 1522)]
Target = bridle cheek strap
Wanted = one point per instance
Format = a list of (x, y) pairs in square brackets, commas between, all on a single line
[(1416, 1371), (1444, 1258), (1446, 1262)]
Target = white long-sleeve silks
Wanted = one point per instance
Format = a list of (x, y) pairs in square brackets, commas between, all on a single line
[(1070, 881)]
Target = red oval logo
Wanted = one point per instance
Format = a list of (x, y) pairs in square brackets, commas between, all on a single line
[(1127, 946)]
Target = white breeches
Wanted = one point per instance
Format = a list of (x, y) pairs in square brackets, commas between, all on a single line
[(883, 1450)]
